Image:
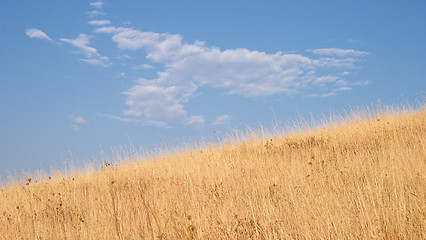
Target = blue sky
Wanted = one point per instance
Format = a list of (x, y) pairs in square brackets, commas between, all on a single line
[(81, 77)]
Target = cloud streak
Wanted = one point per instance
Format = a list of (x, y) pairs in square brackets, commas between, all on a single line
[(36, 33), (195, 120), (97, 4), (77, 121), (99, 22), (92, 55), (221, 120), (339, 52), (95, 13)]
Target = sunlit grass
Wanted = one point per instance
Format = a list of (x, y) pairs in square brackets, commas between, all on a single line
[(361, 176)]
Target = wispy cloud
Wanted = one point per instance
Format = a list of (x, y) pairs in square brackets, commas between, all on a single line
[(36, 33), (97, 4), (223, 119), (195, 120), (120, 74), (143, 66), (323, 95), (92, 55), (188, 66), (332, 62), (77, 121), (121, 119), (95, 13), (124, 56), (328, 94), (343, 89), (99, 22), (324, 80), (339, 52)]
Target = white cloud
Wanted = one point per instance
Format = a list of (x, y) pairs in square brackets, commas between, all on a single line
[(159, 105), (339, 52), (77, 121), (124, 56), (92, 55), (121, 119), (101, 61), (82, 42), (120, 75), (345, 63), (95, 13), (188, 66), (143, 66), (36, 33), (99, 22), (325, 80), (361, 83), (223, 119), (335, 91), (97, 4), (328, 94), (324, 95), (195, 120), (344, 89)]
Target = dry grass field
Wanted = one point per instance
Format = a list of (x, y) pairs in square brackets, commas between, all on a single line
[(359, 179)]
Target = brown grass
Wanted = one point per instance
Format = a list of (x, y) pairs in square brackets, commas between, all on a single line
[(364, 179)]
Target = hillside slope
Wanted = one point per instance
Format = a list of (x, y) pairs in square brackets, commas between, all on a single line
[(360, 180)]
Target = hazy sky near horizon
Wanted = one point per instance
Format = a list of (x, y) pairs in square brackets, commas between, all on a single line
[(78, 78)]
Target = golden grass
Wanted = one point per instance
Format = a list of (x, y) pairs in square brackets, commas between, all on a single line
[(364, 179)]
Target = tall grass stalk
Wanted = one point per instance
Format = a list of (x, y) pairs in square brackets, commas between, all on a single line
[(361, 176)]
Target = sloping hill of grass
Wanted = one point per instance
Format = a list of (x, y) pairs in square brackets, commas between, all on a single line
[(364, 179)]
